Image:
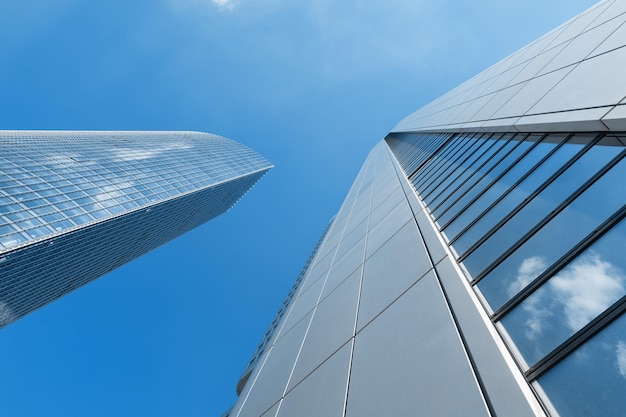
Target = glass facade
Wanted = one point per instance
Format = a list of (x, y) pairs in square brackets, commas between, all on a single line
[(75, 205)]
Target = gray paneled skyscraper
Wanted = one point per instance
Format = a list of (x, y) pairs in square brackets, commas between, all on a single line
[(76, 205), (476, 266)]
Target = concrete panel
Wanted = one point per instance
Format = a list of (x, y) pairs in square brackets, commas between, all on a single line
[(413, 348)]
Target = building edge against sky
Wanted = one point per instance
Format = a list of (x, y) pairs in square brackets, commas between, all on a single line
[(75, 205), (475, 266)]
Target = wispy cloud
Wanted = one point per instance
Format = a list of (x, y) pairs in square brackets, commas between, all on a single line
[(587, 288), (529, 269), (620, 351), (137, 154), (576, 295), (223, 4)]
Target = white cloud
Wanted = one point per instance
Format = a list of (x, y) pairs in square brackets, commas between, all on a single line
[(137, 154), (538, 311), (620, 351), (529, 269), (586, 288), (576, 295), (223, 4)]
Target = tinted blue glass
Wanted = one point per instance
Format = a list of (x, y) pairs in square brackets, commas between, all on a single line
[(35, 274), (498, 189), (570, 299), (581, 217), (452, 168), (541, 205), (472, 169), (514, 197), (99, 172), (437, 161), (503, 160), (592, 380)]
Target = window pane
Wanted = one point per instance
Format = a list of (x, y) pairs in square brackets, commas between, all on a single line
[(473, 169), (540, 206), (502, 162), (571, 299), (592, 380), (453, 167), (562, 233), (497, 189), (515, 196)]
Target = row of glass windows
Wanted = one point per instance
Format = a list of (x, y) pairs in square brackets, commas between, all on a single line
[(36, 275), (54, 182), (536, 221)]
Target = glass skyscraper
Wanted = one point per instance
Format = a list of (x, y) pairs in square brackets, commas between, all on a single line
[(76, 205), (476, 266)]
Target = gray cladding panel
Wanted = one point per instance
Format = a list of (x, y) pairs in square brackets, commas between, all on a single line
[(302, 305), (409, 361), (498, 379), (574, 67), (331, 327), (269, 384), (399, 263), (323, 392), (387, 227)]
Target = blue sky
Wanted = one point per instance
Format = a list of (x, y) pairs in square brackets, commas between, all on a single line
[(310, 85)]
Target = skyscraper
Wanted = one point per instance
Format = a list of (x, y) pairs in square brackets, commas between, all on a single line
[(76, 205), (476, 266)]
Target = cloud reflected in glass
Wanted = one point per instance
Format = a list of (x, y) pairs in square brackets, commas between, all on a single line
[(565, 304)]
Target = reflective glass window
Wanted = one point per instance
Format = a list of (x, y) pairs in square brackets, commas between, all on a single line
[(581, 217), (452, 167), (572, 298), (471, 168), (479, 181), (515, 196), (592, 380), (541, 205), (496, 190)]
